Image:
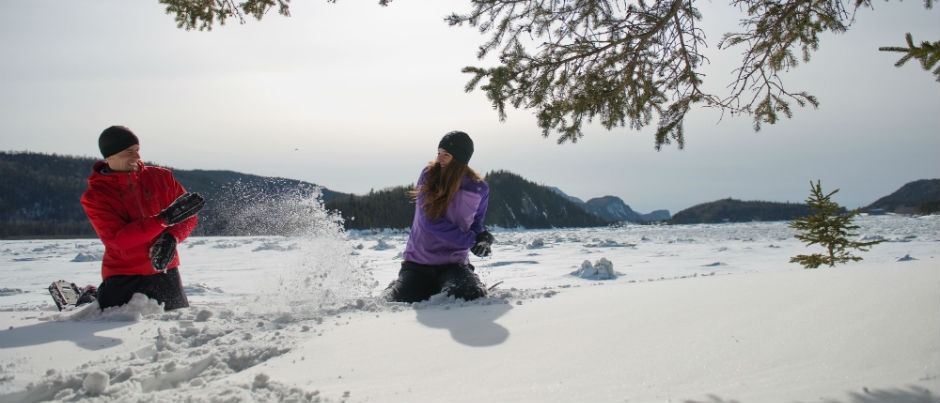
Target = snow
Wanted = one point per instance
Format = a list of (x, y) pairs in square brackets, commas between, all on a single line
[(690, 313), (602, 269)]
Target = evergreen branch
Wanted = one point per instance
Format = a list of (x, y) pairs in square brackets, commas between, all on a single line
[(927, 53), (619, 64), (623, 62), (772, 31), (203, 14)]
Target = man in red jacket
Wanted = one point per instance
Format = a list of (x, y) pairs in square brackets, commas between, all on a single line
[(140, 213)]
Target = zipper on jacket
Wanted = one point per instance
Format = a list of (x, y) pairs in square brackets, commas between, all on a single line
[(131, 181)]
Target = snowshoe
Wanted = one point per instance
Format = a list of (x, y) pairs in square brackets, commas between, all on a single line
[(89, 295), (66, 294)]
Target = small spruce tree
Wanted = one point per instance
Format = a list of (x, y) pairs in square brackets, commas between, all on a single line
[(831, 227)]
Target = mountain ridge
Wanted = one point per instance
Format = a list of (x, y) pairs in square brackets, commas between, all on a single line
[(39, 199)]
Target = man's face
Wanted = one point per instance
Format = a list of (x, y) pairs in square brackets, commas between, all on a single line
[(126, 160)]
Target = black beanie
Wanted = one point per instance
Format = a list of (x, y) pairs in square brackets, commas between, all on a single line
[(459, 145), (115, 139)]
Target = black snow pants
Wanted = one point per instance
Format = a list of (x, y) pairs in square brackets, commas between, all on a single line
[(167, 288), (418, 282)]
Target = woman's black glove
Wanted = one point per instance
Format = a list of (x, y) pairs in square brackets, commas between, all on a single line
[(184, 207), (163, 251), (482, 246)]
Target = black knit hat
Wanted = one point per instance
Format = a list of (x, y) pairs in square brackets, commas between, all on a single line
[(115, 139), (459, 145)]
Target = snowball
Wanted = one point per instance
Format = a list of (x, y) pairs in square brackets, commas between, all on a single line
[(602, 269), (96, 383), (536, 243)]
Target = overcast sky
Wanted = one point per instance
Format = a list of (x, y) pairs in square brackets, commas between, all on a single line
[(354, 96)]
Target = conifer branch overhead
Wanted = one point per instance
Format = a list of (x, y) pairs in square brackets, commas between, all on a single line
[(202, 15), (623, 63), (927, 53)]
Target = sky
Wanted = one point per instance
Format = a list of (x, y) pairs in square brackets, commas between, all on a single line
[(354, 97)]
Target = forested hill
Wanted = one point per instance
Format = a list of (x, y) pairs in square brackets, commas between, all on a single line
[(918, 197), (514, 202), (39, 197), (731, 210)]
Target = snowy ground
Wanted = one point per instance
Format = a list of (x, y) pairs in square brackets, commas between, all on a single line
[(693, 313)]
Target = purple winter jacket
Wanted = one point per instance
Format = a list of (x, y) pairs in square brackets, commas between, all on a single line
[(448, 239)]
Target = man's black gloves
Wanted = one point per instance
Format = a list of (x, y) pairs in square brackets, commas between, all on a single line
[(163, 251), (482, 247), (164, 248), (184, 207)]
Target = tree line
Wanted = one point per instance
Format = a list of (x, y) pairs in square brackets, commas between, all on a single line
[(39, 198)]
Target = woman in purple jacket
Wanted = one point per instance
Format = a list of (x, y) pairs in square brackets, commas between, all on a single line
[(450, 205)]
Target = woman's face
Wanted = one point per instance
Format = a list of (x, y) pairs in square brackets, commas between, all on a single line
[(125, 161), (444, 157)]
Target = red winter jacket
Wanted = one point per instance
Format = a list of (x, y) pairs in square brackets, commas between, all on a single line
[(122, 206)]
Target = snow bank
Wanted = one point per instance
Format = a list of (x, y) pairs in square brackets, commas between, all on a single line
[(694, 314), (849, 335)]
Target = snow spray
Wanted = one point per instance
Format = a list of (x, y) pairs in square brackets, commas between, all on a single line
[(324, 275)]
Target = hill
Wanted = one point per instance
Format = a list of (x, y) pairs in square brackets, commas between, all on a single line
[(387, 208), (613, 209), (39, 198), (514, 202), (918, 197), (39, 195), (731, 210)]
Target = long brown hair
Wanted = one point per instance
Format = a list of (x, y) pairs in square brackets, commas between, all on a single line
[(440, 185)]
